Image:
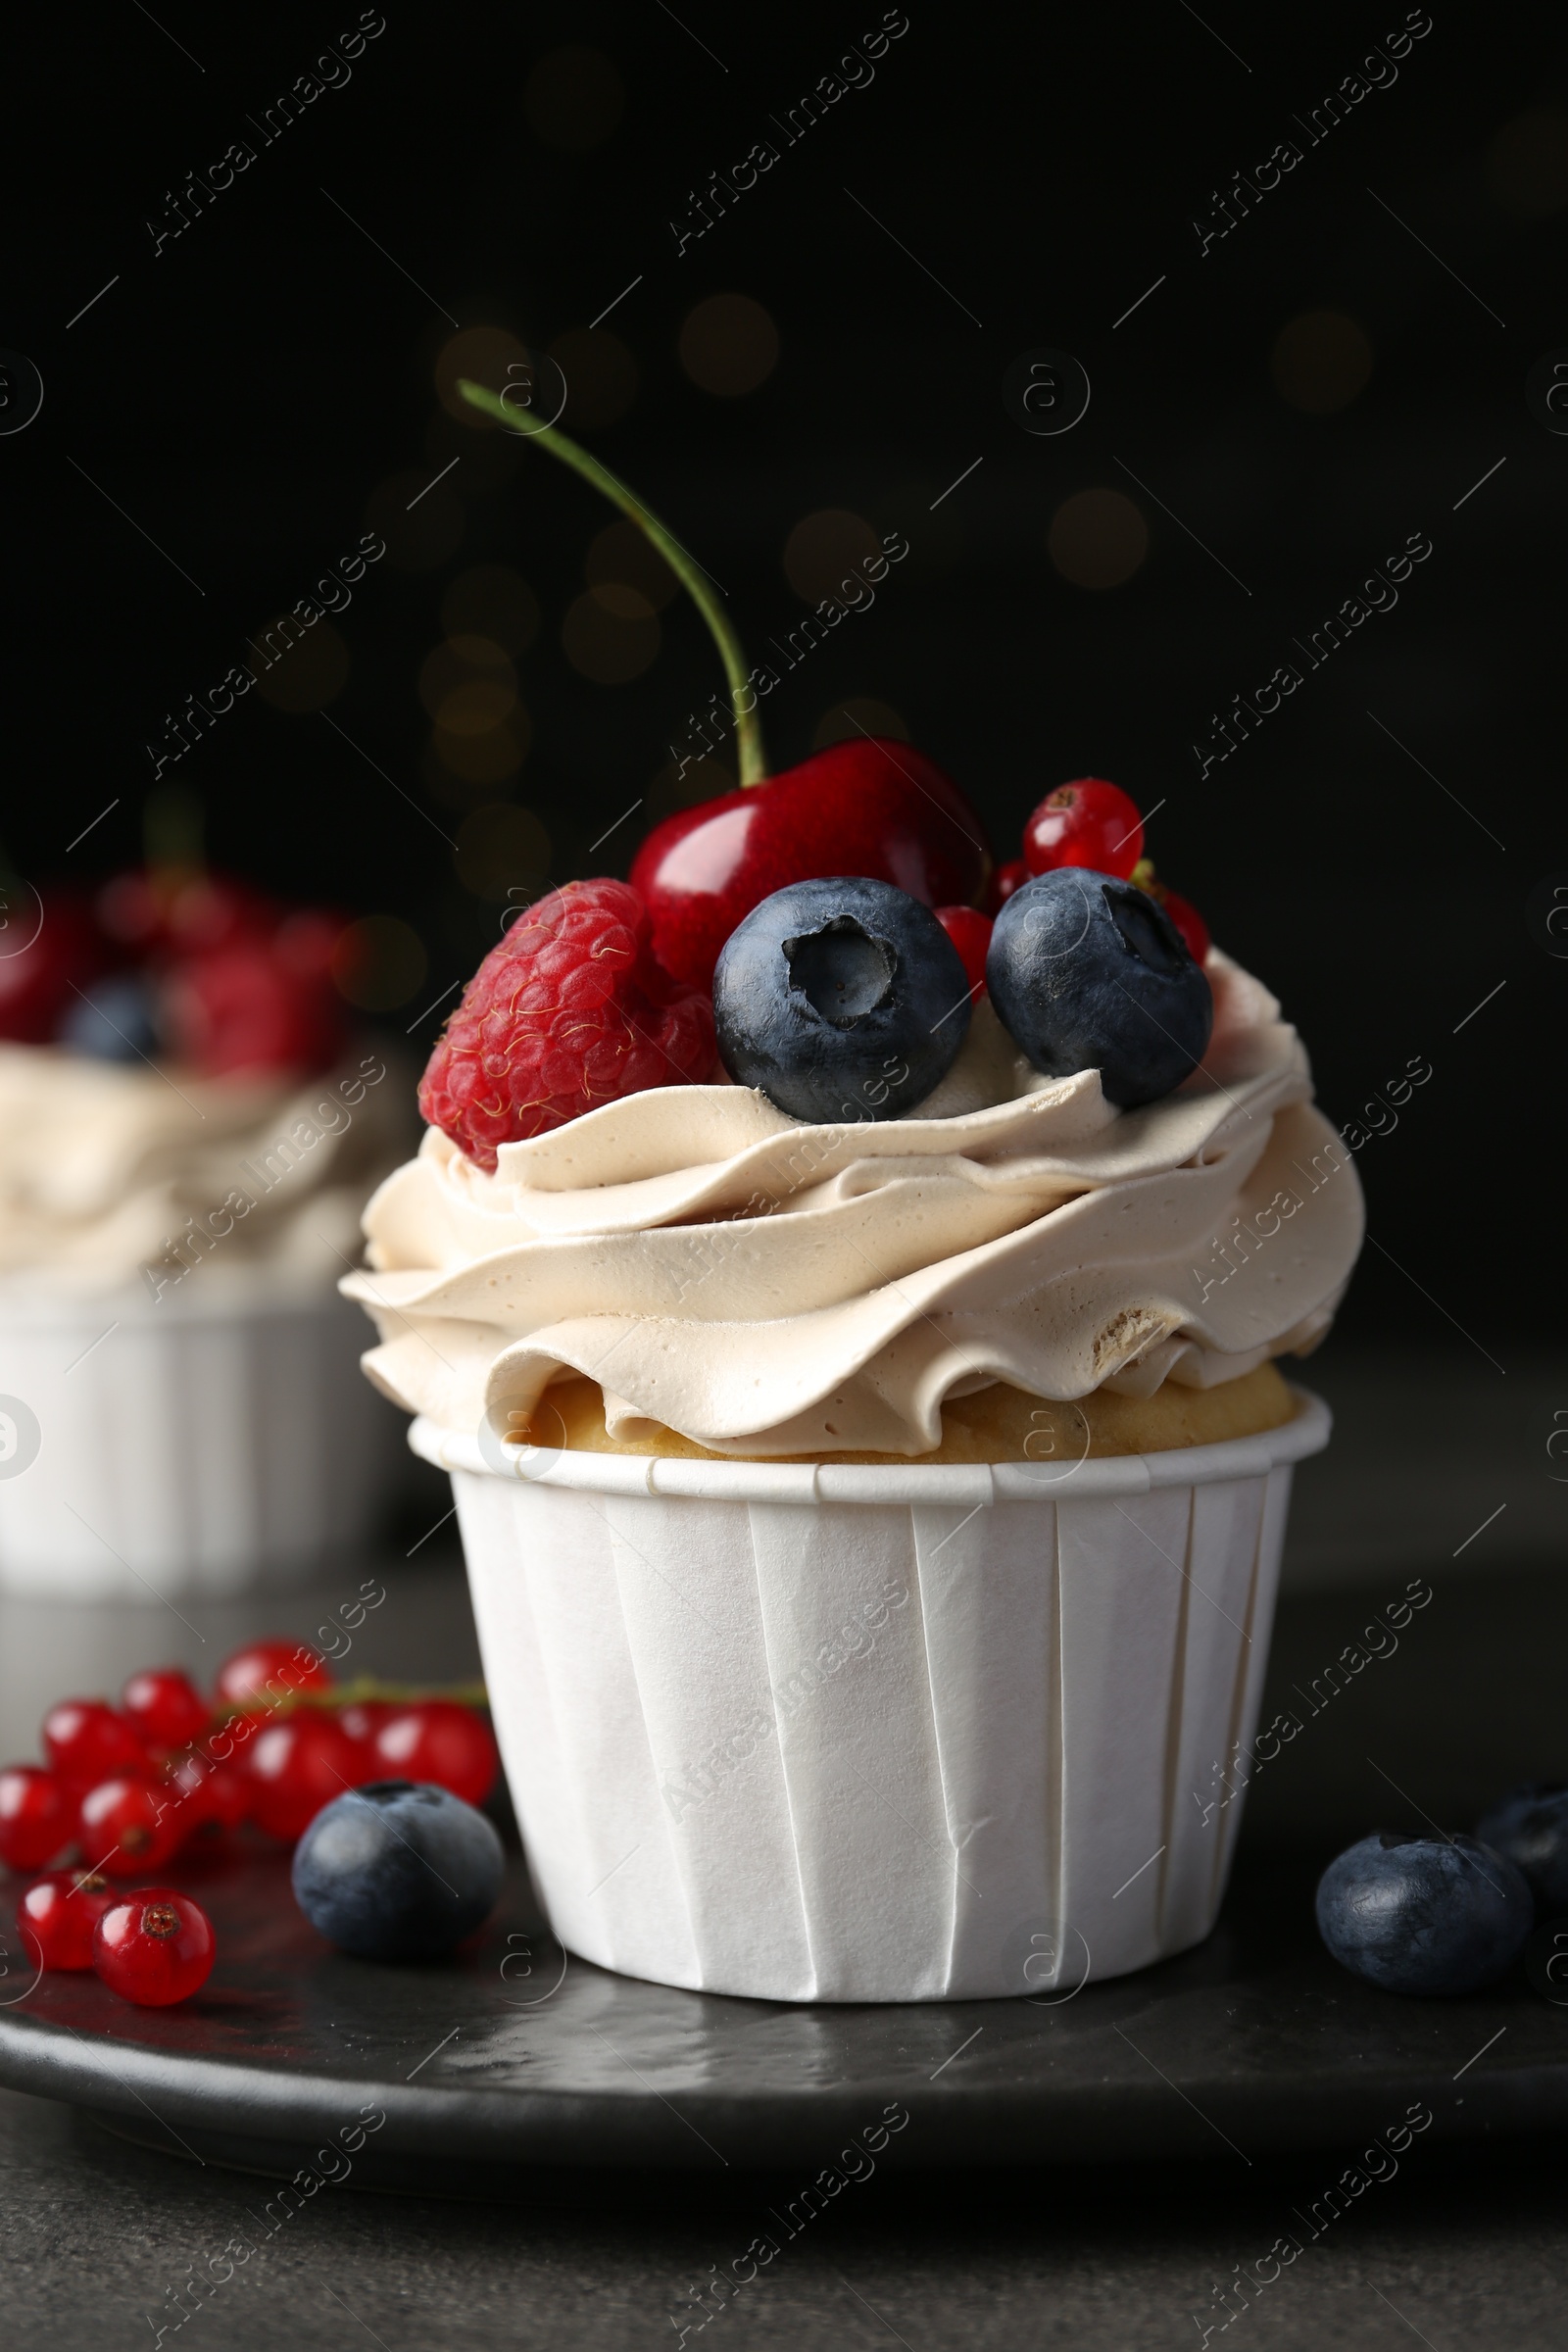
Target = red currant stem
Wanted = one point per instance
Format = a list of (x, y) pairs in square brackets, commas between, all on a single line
[(690, 573), (351, 1693)]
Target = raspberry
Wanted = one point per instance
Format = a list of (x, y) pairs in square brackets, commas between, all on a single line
[(570, 1011)]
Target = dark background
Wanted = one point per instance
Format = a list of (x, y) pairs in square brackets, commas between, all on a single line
[(264, 390)]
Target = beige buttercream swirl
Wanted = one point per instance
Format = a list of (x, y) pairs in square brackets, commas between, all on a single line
[(108, 1169), (769, 1288)]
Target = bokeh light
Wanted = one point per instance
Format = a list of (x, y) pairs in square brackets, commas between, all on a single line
[(1320, 362), (574, 99), (824, 548), (306, 672), (601, 377), (1527, 163), (464, 662), (493, 601), (859, 714), (729, 345), (502, 848), (610, 634), (624, 556), (421, 533), (1097, 539), (378, 962), (483, 355)]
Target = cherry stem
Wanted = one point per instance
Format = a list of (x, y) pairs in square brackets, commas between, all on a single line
[(697, 583)]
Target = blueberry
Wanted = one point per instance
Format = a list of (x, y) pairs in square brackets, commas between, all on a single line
[(841, 1000), (1428, 1915), (113, 1021), (401, 1870), (1530, 1825), (1090, 973)]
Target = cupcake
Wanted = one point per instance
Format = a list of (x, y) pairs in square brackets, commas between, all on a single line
[(187, 1138), (852, 1332)]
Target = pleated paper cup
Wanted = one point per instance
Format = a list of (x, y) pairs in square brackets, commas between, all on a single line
[(207, 1445), (828, 1733)]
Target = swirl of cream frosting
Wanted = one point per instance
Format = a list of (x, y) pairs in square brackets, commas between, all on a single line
[(770, 1288)]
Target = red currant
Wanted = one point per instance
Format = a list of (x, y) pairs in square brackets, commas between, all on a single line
[(299, 1765), (970, 933), (262, 1669), (1004, 882), (163, 1708), (363, 1718), (57, 1915), (1086, 823), (1188, 922), (37, 1816), (208, 1799), (436, 1739), (153, 1946), (128, 1825), (85, 1741)]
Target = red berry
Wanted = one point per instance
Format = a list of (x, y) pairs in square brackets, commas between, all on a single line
[(57, 1915), (130, 1824), (85, 1741), (1004, 882), (436, 1739), (246, 1006), (37, 1816), (267, 1670), (1188, 922), (970, 933), (363, 1718), (1086, 823), (52, 949), (163, 1708), (208, 1799), (153, 1946), (299, 1765), (569, 1011)]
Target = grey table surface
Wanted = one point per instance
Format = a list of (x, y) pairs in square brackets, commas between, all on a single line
[(1466, 2246)]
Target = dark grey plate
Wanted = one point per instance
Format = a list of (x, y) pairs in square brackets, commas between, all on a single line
[(462, 2077)]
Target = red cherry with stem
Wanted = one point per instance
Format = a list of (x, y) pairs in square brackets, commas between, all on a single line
[(299, 1765), (129, 1824), (867, 807), (270, 1671), (85, 1741), (154, 1947), (162, 1707), (1090, 823), (437, 1740), (1004, 882), (37, 1816), (970, 933), (1188, 922), (55, 949), (57, 1915)]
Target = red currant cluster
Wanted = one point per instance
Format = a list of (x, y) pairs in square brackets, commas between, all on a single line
[(170, 1773), (189, 965), (1089, 823)]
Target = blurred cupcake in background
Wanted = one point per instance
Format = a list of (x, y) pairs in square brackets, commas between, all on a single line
[(188, 1133)]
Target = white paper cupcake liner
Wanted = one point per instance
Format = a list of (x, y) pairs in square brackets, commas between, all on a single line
[(876, 1734), (184, 1446)]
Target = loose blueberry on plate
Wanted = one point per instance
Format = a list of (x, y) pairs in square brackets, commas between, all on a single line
[(400, 1870), (1088, 973), (1530, 1825), (1423, 1915), (841, 1000)]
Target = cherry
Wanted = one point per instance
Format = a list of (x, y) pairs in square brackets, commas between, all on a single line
[(1187, 919), (437, 1740), (163, 1708), (871, 808), (154, 1947), (970, 933), (62, 952), (1004, 882), (1089, 823), (85, 1741), (130, 1824), (37, 1816), (265, 1670), (57, 1915), (299, 1765)]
